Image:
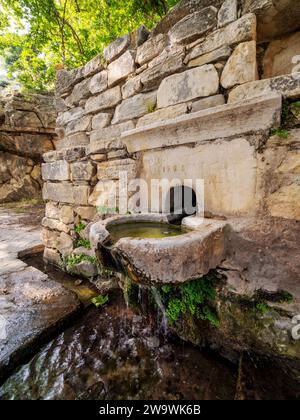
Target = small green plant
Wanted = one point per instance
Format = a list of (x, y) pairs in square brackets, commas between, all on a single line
[(72, 260), (85, 243), (295, 109), (80, 227), (100, 300), (285, 297), (106, 272), (193, 298), (151, 107), (263, 308), (280, 132)]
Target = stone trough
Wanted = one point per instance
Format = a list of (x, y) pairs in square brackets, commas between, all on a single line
[(191, 254)]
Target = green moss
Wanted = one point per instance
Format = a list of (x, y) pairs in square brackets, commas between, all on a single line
[(100, 300), (151, 107), (80, 227), (194, 298), (263, 308), (83, 243)]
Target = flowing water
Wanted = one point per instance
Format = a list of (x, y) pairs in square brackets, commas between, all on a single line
[(144, 230), (114, 353)]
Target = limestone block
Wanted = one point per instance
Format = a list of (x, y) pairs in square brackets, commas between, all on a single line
[(50, 238), (74, 153), (55, 225), (52, 211), (93, 66), (98, 157), (66, 214), (62, 193), (56, 171), (80, 91), (195, 83), (111, 132), (163, 114), (194, 25), (105, 100), (227, 13), (81, 195), (99, 82), (65, 80), (135, 107), (288, 86), (116, 48), (242, 30), (82, 171), (285, 202), (24, 119), (209, 102), (278, 59), (114, 169), (241, 66), (151, 48), (81, 125), (65, 244), (117, 154), (102, 146), (101, 120), (65, 117), (121, 68), (220, 54), (53, 156), (220, 122), (86, 213), (169, 64), (132, 87), (73, 140)]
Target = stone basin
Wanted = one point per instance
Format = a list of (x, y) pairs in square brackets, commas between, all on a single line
[(176, 258)]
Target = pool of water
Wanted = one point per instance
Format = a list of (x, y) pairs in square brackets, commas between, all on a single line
[(144, 230)]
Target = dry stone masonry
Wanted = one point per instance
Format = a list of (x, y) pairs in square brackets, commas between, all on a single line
[(27, 131), (201, 96)]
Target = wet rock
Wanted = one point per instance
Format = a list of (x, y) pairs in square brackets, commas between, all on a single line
[(35, 308), (241, 66), (199, 82), (194, 25)]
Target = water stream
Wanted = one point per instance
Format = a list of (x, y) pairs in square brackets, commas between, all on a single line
[(115, 353)]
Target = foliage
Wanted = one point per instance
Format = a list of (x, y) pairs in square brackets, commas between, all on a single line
[(263, 308), (85, 243), (280, 132), (80, 227), (37, 37), (100, 300), (73, 260), (193, 298)]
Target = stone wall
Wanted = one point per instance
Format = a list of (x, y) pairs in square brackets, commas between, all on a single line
[(27, 131), (196, 98)]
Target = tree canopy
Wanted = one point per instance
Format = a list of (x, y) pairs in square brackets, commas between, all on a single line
[(39, 36)]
